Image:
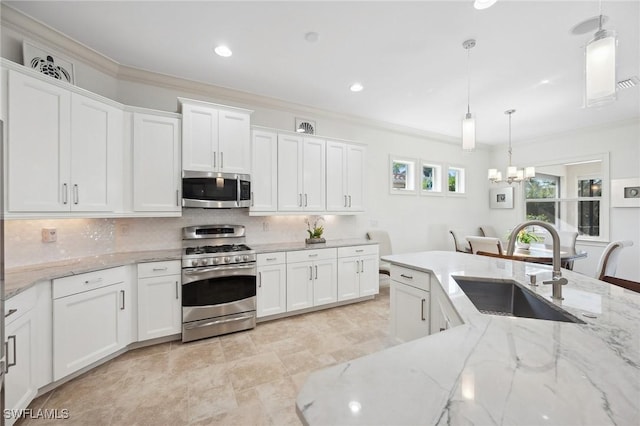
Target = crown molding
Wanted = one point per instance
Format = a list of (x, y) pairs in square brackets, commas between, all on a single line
[(38, 31)]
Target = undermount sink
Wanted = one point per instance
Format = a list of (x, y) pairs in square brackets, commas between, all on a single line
[(508, 298)]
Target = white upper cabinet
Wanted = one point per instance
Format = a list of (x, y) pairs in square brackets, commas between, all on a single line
[(64, 149), (345, 177), (264, 171), (215, 138), (156, 163), (301, 173)]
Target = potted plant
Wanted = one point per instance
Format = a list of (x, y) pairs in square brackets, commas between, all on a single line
[(525, 238), (314, 230)]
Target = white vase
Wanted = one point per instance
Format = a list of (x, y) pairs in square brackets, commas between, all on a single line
[(523, 246)]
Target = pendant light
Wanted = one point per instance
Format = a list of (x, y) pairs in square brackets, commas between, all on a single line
[(468, 122), (513, 173), (600, 66)]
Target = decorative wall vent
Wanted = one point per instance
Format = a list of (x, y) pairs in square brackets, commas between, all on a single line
[(628, 83), (304, 125)]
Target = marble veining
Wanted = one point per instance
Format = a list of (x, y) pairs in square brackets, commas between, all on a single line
[(495, 370)]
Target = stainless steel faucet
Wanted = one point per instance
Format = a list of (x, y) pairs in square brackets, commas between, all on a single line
[(556, 277)]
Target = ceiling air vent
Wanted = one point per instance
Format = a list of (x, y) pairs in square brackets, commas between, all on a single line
[(305, 126), (628, 83)]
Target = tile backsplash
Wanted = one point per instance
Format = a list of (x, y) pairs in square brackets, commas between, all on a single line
[(91, 237)]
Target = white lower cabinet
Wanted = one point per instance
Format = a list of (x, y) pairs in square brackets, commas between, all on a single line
[(357, 272), (272, 284), (91, 318), (159, 299), (410, 304), (443, 314), (312, 278)]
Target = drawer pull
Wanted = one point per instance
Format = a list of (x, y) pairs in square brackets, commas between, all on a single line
[(259, 279), (15, 358), (177, 293), (271, 259), (11, 312), (313, 255), (160, 269), (93, 281), (122, 294), (316, 271), (359, 251), (310, 273), (409, 277), (422, 310)]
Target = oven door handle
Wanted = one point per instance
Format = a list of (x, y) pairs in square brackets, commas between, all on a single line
[(210, 323), (197, 271), (196, 274)]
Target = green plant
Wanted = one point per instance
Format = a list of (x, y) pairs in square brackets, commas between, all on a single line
[(313, 226), (527, 237)]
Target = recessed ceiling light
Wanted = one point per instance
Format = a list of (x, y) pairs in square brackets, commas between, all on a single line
[(223, 51), (356, 87), (483, 4), (311, 36)]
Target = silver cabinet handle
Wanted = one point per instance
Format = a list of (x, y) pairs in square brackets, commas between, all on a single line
[(93, 281), (305, 200), (259, 279), (359, 251), (177, 198), (299, 200), (122, 294), (214, 159), (221, 160), (357, 266), (76, 195), (271, 259), (316, 271), (251, 198), (177, 295), (422, 310), (349, 200), (362, 266), (345, 201), (160, 269), (15, 357), (310, 273), (11, 312), (313, 255), (65, 194), (406, 276)]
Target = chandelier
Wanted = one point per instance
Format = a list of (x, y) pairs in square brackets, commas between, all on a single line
[(513, 173)]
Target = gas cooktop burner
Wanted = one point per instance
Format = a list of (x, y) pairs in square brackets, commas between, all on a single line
[(225, 248)]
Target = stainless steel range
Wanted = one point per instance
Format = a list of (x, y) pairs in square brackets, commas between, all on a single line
[(218, 281)]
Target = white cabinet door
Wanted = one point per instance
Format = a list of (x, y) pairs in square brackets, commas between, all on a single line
[(200, 138), (19, 380), (443, 314), (272, 290), (156, 163), (325, 282), (234, 142), (368, 276), (290, 196), (313, 171), (409, 312), (299, 285), (355, 179), (159, 307), (348, 282), (38, 145), (96, 158), (337, 199), (264, 171), (89, 326)]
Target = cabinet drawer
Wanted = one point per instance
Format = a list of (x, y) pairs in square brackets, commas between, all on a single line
[(19, 304), (91, 280), (358, 250), (417, 279), (157, 269), (271, 258), (311, 255)]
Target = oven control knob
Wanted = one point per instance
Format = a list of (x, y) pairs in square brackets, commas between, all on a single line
[(215, 260), (245, 257), (226, 260), (194, 262), (237, 259)]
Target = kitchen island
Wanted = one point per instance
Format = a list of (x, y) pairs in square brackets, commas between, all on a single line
[(494, 369)]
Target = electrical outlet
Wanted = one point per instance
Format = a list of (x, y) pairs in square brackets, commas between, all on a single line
[(123, 229), (49, 235)]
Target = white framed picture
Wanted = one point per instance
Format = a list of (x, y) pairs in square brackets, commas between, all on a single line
[(47, 62), (501, 198), (625, 192)]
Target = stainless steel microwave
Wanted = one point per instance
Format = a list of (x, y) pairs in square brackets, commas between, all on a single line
[(212, 190)]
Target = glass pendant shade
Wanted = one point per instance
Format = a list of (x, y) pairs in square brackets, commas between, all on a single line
[(468, 133), (512, 171), (600, 69), (493, 174), (529, 172)]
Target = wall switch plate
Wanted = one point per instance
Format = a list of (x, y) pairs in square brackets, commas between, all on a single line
[(49, 235)]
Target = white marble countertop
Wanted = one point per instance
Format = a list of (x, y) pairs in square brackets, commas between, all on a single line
[(301, 245), (494, 370), (20, 278)]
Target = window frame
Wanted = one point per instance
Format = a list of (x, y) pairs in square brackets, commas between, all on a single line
[(437, 178), (460, 182), (410, 175)]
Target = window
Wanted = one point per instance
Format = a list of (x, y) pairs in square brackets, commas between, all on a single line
[(430, 179), (403, 175), (572, 197), (455, 180)]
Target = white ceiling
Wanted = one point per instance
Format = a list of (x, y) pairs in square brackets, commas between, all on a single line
[(408, 55)]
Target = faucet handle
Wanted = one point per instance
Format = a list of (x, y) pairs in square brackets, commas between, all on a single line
[(556, 280)]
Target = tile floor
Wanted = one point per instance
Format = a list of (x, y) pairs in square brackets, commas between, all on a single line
[(246, 378)]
